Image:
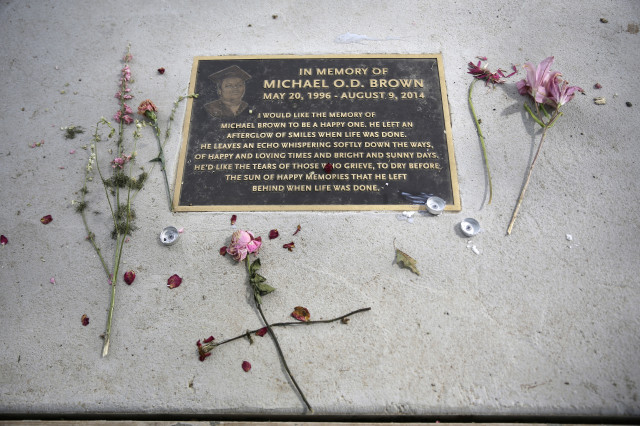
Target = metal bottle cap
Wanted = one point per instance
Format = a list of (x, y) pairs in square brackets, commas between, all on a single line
[(169, 235), (435, 205), (469, 227)]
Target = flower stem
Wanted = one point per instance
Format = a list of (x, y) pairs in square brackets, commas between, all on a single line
[(112, 302), (120, 239), (289, 324), (535, 117), (93, 243), (273, 336), (526, 182), (162, 162), (484, 148), (106, 191), (284, 362), (90, 234)]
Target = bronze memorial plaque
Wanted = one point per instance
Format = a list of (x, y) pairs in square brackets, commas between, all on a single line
[(316, 133)]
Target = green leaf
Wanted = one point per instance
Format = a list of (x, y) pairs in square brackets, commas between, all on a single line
[(544, 110), (536, 119), (406, 261), (264, 288), (257, 279), (256, 295), (254, 267)]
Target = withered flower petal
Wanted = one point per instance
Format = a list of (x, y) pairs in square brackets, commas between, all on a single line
[(242, 244), (3, 240), (46, 219), (209, 339), (289, 246), (161, 70), (174, 281), (301, 314), (298, 229), (262, 331), (85, 320), (246, 366), (233, 219), (273, 234), (145, 106), (129, 276), (223, 250), (328, 168)]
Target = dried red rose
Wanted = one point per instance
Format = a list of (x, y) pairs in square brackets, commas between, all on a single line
[(246, 366), (262, 331), (328, 168), (301, 314), (161, 70), (273, 234), (174, 281), (3, 240), (223, 250), (129, 276), (289, 246), (298, 229), (85, 320), (46, 219)]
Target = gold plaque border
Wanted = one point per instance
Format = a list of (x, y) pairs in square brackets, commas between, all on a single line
[(455, 207)]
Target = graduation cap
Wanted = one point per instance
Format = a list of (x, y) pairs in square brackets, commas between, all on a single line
[(232, 71)]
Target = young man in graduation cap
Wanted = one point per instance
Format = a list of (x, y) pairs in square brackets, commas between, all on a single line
[(231, 84)]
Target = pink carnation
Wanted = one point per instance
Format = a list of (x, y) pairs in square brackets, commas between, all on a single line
[(145, 106)]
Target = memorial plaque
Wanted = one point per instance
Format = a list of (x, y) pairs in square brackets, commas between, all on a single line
[(316, 133)]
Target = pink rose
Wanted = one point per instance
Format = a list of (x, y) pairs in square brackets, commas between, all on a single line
[(243, 243)]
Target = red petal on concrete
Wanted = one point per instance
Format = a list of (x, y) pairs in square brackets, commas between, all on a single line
[(129, 276), (301, 314), (174, 281)]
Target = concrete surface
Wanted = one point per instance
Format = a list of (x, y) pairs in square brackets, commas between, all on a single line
[(532, 325)]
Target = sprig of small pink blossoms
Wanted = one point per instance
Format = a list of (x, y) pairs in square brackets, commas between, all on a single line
[(123, 115)]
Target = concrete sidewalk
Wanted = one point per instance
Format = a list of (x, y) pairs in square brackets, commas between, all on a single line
[(534, 324)]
